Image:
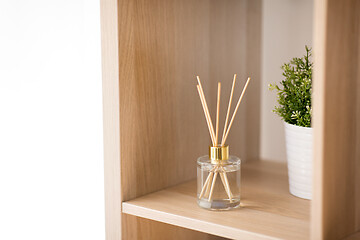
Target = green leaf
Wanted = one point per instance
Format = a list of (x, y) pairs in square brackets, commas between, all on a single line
[(294, 91)]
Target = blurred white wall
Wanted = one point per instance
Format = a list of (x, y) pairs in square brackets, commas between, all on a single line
[(287, 28), (51, 152)]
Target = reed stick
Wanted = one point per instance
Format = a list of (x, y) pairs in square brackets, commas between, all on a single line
[(228, 110), (213, 184), (206, 116), (227, 190), (206, 183), (206, 107), (227, 183), (217, 113), (207, 192), (235, 111), (224, 181)]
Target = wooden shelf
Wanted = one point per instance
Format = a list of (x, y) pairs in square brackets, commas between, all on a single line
[(154, 127), (268, 211)]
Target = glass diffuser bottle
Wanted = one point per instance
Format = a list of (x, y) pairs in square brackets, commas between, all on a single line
[(218, 174), (218, 179)]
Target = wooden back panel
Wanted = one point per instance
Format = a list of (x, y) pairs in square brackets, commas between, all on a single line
[(154, 127), (336, 202), (154, 124), (163, 129), (166, 44), (162, 126)]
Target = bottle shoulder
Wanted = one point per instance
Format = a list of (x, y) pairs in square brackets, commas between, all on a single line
[(232, 160)]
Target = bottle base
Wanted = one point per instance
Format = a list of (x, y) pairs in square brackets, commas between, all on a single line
[(219, 204)]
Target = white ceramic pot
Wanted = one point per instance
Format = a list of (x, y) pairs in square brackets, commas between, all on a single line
[(299, 151)]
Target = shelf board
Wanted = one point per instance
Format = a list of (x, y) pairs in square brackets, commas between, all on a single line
[(267, 211)]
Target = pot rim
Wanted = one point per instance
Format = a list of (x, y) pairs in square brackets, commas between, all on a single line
[(296, 126)]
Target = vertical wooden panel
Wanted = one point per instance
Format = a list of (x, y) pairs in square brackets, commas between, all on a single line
[(235, 39), (228, 56), (336, 201), (253, 69), (162, 126), (316, 230), (152, 51), (110, 76), (163, 129), (355, 236), (357, 144)]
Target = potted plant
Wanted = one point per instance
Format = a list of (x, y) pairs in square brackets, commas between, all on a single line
[(294, 98)]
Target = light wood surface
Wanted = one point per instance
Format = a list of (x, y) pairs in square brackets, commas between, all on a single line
[(160, 113), (111, 120), (253, 66), (154, 129), (336, 204), (151, 52), (355, 236), (160, 231), (163, 45), (235, 46), (267, 210)]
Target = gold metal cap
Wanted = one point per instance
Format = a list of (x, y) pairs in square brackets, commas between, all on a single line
[(218, 154)]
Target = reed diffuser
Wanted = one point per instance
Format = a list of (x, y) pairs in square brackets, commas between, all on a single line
[(223, 194)]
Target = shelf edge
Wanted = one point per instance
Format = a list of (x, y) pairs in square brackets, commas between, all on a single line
[(185, 222)]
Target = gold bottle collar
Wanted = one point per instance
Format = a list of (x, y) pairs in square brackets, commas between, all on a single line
[(219, 153)]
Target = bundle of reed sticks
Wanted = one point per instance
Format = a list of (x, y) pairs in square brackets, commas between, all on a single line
[(218, 169)]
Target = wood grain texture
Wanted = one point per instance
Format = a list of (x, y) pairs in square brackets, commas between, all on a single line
[(163, 44), (235, 39), (335, 208), (355, 236), (161, 231), (110, 76), (160, 112), (253, 69), (357, 154), (154, 129), (228, 44), (267, 210)]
